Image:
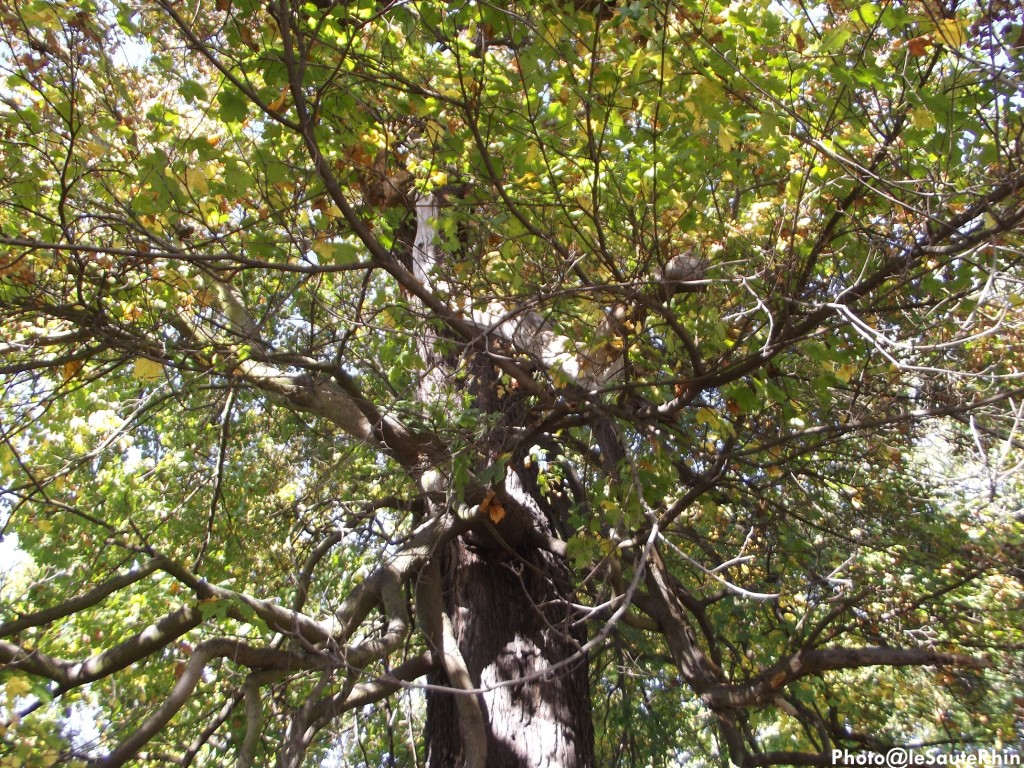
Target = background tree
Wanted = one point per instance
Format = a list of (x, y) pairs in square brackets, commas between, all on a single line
[(598, 369)]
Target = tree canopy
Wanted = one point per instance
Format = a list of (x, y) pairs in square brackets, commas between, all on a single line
[(336, 332)]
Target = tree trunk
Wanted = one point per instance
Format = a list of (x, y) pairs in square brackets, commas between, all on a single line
[(510, 605), (494, 601), (508, 601)]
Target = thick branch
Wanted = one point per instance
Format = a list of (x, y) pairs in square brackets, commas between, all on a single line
[(334, 398), (695, 666), (253, 718), (277, 617), (766, 686), (397, 611), (204, 653), (325, 398), (77, 604), (426, 540), (367, 693), (440, 636), (139, 646), (71, 674)]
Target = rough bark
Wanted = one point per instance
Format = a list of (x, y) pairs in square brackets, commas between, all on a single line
[(506, 603), (533, 719)]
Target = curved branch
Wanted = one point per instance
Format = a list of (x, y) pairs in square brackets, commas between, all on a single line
[(332, 397), (71, 674), (204, 653), (277, 617), (362, 694), (253, 716), (426, 540), (305, 575), (693, 663), (765, 687), (440, 636), (397, 611), (76, 604), (14, 657), (139, 646)]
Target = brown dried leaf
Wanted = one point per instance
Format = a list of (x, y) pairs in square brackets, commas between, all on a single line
[(492, 507), (919, 45)]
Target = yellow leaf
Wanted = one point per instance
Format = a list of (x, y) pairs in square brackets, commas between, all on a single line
[(17, 686), (71, 369), (709, 417), (41, 17), (278, 104), (434, 131), (132, 311), (952, 32), (922, 118), (668, 71), (153, 223), (147, 370), (195, 182), (726, 140), (336, 252), (94, 148), (323, 249), (845, 372), (551, 36)]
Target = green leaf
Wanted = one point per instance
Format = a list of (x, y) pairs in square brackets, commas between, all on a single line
[(233, 106), (192, 91), (869, 13), (835, 39), (339, 253), (237, 180)]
